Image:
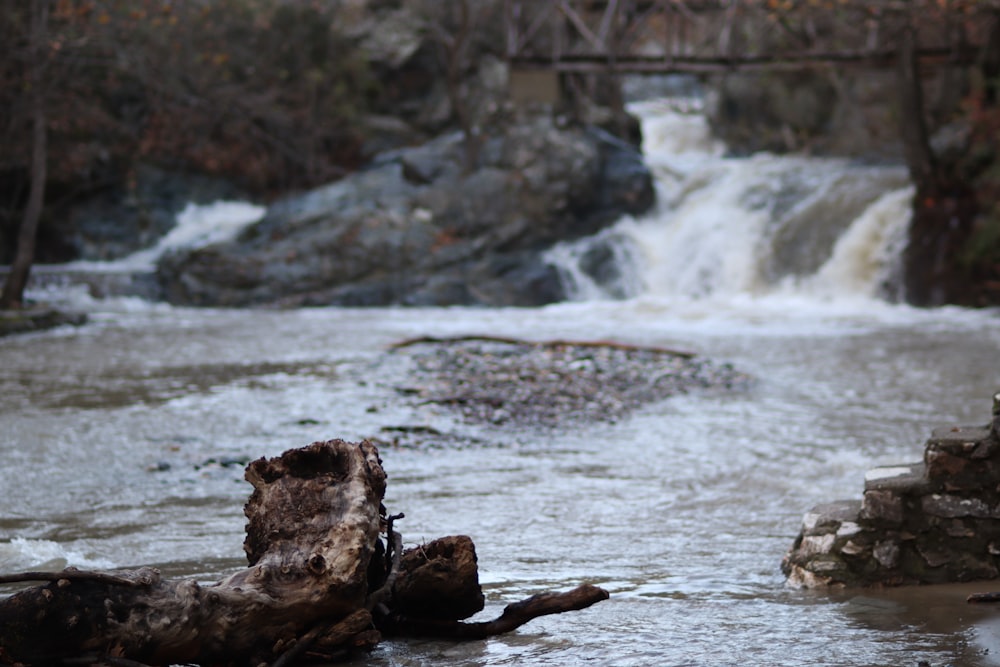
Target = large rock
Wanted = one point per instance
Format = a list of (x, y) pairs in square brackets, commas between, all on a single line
[(419, 228), (824, 112)]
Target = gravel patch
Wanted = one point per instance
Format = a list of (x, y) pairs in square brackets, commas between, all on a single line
[(521, 383)]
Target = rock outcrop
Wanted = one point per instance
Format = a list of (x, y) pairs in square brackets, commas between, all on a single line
[(836, 112), (421, 227), (935, 521)]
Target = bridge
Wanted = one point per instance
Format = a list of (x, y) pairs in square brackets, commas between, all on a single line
[(706, 36)]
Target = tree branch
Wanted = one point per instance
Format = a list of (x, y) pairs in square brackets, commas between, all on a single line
[(433, 340), (514, 616), (144, 577), (394, 553)]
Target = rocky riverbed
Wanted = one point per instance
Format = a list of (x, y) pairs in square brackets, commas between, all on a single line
[(496, 382)]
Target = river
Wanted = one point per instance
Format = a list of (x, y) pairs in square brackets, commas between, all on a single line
[(123, 441)]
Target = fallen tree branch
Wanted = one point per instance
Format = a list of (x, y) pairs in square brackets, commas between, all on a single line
[(514, 616), (313, 522), (393, 555), (143, 577), (610, 344)]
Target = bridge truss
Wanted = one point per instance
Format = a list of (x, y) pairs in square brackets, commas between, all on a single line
[(703, 36)]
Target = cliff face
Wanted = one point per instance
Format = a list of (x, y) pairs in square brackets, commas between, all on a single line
[(828, 111)]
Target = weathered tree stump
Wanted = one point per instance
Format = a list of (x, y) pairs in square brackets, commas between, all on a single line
[(321, 582)]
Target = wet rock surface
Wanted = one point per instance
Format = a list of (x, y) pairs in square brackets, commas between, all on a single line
[(934, 521), (558, 383), (847, 113), (421, 227)]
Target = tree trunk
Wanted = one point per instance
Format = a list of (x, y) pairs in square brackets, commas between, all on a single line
[(457, 48), (13, 289), (912, 124), (313, 523), (320, 583), (944, 209)]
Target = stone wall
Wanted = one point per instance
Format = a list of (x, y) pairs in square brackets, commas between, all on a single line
[(934, 521)]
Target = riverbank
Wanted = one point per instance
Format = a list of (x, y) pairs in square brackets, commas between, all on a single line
[(37, 317)]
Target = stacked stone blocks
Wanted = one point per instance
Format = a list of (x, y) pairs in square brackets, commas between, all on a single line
[(934, 521)]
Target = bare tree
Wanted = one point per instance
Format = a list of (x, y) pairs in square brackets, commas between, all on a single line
[(17, 279), (452, 31), (267, 94)]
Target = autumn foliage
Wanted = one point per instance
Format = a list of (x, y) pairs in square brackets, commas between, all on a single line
[(264, 92)]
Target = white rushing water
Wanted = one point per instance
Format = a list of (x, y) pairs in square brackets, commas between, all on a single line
[(197, 225), (75, 284), (118, 438), (764, 226), (776, 230)]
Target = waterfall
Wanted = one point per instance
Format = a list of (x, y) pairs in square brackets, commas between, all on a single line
[(765, 224), (197, 225)]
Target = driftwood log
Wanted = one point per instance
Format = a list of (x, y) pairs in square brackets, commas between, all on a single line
[(326, 576), (610, 344)]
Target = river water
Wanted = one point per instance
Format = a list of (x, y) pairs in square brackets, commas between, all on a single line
[(123, 442)]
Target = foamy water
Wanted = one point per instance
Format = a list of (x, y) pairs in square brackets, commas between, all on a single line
[(20, 554), (764, 226), (198, 225)]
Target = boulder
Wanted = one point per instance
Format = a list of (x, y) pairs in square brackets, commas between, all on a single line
[(420, 227)]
